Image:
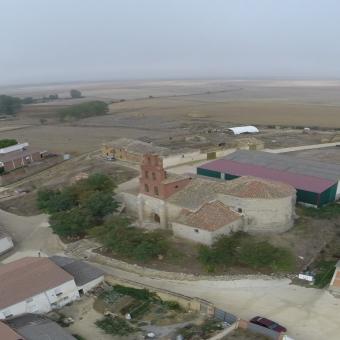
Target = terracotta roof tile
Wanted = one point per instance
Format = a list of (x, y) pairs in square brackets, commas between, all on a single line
[(210, 216)]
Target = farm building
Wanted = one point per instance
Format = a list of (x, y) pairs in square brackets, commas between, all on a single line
[(18, 156), (131, 150), (316, 183), (200, 208), (85, 276)]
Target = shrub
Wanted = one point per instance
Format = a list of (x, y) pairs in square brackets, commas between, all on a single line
[(4, 143), (325, 273), (243, 249), (115, 326)]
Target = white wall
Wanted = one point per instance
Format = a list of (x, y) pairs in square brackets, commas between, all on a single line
[(90, 285), (204, 236), (6, 244), (44, 302)]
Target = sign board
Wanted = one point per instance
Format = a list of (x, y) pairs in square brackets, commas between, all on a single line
[(306, 277)]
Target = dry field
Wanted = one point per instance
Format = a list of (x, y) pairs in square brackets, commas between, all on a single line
[(159, 109)]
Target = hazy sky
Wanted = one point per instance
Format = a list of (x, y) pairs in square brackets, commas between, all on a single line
[(65, 40)]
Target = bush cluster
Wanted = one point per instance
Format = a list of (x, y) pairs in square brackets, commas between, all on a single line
[(242, 249), (131, 242), (83, 110)]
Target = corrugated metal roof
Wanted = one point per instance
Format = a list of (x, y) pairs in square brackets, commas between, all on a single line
[(237, 168), (288, 163), (244, 129)]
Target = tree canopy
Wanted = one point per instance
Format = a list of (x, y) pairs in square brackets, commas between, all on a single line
[(75, 93), (79, 207), (83, 110), (9, 105)]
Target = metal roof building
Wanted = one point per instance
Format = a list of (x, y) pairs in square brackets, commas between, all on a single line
[(317, 183)]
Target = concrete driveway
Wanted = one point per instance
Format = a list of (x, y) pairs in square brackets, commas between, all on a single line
[(308, 313), (30, 235)]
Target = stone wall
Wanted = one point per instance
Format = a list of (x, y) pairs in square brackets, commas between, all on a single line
[(263, 215)]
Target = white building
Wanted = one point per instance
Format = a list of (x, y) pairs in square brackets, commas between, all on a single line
[(85, 276), (34, 285), (6, 243)]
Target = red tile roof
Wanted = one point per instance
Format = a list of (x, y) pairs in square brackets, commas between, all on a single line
[(210, 216), (6, 333), (302, 182), (22, 279)]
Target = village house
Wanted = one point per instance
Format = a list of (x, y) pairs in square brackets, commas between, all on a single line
[(200, 208), (85, 276), (38, 285), (18, 156), (34, 285)]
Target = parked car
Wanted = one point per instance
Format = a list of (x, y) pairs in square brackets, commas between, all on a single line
[(258, 320)]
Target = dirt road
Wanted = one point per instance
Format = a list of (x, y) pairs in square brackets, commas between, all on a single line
[(309, 314)]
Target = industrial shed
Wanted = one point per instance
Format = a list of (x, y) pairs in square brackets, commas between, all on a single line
[(316, 183)]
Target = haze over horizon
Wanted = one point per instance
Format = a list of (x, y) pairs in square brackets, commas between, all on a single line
[(130, 39)]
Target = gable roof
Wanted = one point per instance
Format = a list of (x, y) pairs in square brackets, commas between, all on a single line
[(37, 327), (210, 216), (81, 271), (24, 278), (6, 333)]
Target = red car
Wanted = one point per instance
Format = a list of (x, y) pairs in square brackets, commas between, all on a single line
[(258, 320)]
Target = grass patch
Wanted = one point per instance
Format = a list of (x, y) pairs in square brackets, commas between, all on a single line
[(324, 274), (327, 212), (115, 326), (203, 331), (138, 294)]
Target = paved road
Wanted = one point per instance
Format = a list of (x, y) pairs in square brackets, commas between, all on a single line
[(309, 314), (30, 235)]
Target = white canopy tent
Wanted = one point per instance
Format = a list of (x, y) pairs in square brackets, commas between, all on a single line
[(244, 129)]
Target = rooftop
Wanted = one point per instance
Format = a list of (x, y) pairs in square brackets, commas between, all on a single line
[(203, 189), (37, 327), (6, 333), (81, 271), (210, 216), (24, 278), (239, 164), (252, 187), (296, 165)]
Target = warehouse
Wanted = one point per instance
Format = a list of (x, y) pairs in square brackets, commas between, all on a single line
[(317, 183)]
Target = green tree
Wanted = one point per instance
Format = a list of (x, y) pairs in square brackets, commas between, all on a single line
[(9, 105), (75, 93), (83, 110), (27, 100), (71, 223), (52, 201), (100, 204)]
